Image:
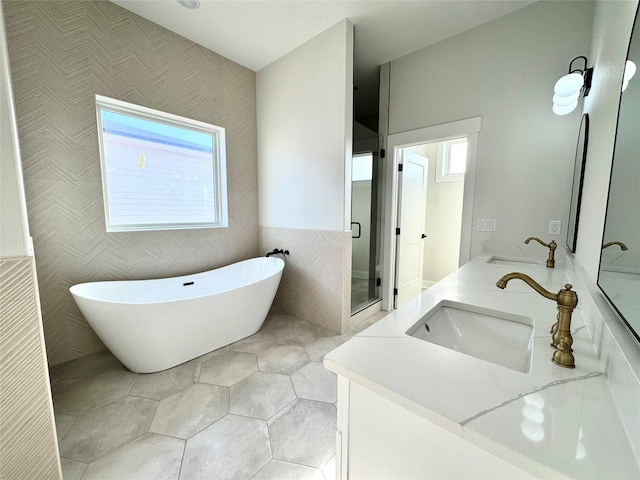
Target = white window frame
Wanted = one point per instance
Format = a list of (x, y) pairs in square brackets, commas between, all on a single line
[(443, 163), (218, 217)]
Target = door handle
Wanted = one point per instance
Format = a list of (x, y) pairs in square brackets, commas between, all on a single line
[(359, 229), (423, 236)]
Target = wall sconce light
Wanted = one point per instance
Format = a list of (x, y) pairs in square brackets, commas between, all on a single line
[(567, 90), (629, 72)]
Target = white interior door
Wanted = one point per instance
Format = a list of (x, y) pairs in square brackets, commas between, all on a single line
[(412, 204)]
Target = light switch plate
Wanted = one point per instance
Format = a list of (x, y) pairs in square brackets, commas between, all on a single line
[(486, 225)]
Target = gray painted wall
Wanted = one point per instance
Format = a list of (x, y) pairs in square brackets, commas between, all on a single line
[(504, 71), (304, 145), (612, 26), (14, 229)]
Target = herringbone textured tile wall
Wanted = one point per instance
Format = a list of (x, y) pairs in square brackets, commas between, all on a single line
[(62, 53), (313, 284), (28, 444)]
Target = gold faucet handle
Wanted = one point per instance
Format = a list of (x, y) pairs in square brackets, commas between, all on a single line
[(567, 297)]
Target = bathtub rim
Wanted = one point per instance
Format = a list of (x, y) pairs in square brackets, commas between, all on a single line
[(74, 291)]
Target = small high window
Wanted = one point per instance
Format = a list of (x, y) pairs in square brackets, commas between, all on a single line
[(160, 171), (451, 160)]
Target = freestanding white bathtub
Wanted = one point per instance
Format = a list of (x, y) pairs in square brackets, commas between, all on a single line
[(152, 325)]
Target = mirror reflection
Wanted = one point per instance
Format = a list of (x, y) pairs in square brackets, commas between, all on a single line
[(578, 179), (619, 276)]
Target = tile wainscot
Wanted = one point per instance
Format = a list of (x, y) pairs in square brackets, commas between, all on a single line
[(408, 408)]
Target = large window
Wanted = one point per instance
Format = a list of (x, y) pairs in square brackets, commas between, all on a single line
[(160, 171)]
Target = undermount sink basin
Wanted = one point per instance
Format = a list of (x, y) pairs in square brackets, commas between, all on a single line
[(516, 262), (499, 337)]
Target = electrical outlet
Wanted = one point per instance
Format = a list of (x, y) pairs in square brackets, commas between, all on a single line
[(554, 227)]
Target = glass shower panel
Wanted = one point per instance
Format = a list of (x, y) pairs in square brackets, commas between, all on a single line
[(365, 225)]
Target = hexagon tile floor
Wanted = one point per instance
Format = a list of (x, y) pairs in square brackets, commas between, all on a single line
[(261, 408)]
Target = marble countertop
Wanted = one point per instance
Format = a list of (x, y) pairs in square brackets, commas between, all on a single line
[(550, 422)]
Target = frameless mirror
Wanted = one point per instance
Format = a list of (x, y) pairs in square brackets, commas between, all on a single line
[(578, 179), (619, 275)]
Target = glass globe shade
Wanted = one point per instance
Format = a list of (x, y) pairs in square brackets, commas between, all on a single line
[(566, 109), (568, 85), (190, 4), (564, 101)]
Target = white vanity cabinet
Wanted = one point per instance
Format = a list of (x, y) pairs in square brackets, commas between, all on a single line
[(378, 439)]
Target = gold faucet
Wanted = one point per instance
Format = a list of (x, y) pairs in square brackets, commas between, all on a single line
[(622, 246), (552, 248), (566, 300)]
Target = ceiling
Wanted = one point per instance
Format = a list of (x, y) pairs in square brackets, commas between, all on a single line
[(254, 33)]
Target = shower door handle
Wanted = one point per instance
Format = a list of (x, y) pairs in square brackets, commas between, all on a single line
[(359, 229)]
